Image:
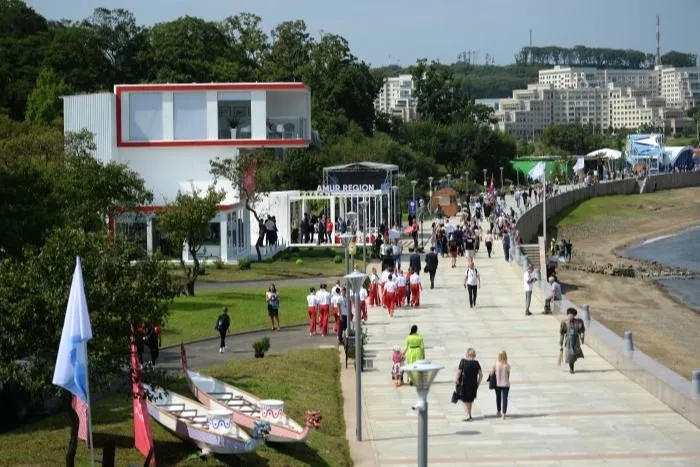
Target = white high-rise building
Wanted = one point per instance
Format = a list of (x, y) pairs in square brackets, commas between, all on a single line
[(396, 98), (602, 98)]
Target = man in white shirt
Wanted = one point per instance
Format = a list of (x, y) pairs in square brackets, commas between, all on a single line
[(416, 287), (390, 294), (312, 303), (324, 307), (343, 307), (472, 281), (528, 279)]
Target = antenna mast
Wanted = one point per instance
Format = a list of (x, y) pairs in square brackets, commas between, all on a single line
[(658, 41)]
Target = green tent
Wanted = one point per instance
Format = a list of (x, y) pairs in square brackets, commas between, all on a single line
[(553, 168)]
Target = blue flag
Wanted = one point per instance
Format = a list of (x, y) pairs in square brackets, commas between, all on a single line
[(71, 363)]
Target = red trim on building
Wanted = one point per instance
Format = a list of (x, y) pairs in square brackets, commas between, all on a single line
[(215, 142), (158, 208), (122, 88), (119, 88)]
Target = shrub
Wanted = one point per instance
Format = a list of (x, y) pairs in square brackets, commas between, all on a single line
[(338, 259), (299, 262), (261, 346), (219, 264), (244, 264)]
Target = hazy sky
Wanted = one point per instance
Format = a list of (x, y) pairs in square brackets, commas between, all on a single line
[(391, 31)]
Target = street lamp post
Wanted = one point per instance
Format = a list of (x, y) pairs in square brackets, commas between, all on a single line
[(466, 185), (430, 201), (397, 208), (485, 182), (364, 205), (356, 279), (414, 182), (422, 374), (352, 246), (345, 239), (501, 177), (449, 177)]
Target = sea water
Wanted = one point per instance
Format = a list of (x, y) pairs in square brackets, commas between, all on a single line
[(681, 250)]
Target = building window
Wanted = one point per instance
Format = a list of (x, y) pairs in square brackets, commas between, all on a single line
[(190, 115), (146, 116), (234, 115)]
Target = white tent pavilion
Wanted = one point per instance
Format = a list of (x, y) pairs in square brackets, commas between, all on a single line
[(606, 153)]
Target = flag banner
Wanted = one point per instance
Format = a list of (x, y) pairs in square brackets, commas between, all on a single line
[(143, 436), (81, 410), (538, 171), (71, 371)]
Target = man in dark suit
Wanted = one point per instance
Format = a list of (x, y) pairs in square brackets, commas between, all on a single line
[(431, 264), (414, 262)]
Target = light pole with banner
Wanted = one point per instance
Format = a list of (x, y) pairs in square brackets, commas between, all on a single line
[(414, 182), (355, 280), (422, 375)]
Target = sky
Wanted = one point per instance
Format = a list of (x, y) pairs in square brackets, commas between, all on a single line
[(384, 32)]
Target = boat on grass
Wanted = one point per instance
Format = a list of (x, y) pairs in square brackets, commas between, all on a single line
[(249, 411), (212, 430)]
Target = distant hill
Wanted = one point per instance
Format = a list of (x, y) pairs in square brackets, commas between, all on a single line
[(484, 81)]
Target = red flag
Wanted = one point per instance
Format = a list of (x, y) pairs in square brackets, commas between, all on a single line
[(80, 408), (491, 187), (143, 437)]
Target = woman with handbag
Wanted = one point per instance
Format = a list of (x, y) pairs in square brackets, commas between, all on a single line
[(467, 381), (499, 380)]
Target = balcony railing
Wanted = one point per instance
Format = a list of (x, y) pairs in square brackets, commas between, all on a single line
[(287, 128)]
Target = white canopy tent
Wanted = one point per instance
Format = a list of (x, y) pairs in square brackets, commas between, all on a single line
[(606, 153)]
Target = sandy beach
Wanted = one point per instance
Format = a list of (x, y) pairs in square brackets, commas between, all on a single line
[(662, 327)]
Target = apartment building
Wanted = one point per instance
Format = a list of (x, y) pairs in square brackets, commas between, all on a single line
[(396, 98), (602, 98)]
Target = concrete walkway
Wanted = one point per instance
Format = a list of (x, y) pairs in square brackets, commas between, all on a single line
[(595, 417)]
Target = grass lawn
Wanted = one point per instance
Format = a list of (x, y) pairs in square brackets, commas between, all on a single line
[(316, 262), (194, 317), (618, 206), (304, 379)]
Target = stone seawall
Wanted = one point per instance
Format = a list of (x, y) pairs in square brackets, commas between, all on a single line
[(531, 221)]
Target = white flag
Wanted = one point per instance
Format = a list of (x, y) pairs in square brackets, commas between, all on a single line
[(537, 172)]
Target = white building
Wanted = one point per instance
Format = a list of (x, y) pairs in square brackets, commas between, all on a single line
[(168, 133), (602, 98), (396, 98)]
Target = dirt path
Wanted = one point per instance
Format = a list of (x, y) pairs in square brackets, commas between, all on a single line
[(662, 327)]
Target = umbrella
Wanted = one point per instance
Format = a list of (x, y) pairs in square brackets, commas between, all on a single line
[(394, 234)]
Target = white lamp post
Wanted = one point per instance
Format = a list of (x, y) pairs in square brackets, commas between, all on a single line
[(466, 181), (422, 374), (414, 183), (430, 201), (355, 280), (395, 198), (364, 204), (501, 177), (449, 177), (345, 238), (485, 183)]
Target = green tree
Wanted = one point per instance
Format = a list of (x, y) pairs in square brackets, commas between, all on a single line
[(249, 42), (679, 59), (290, 51), (44, 104), (122, 289), (186, 222)]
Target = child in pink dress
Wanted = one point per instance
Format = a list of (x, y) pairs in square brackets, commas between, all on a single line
[(397, 361)]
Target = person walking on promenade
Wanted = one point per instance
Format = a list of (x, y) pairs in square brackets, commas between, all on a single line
[(488, 241), (312, 302), (409, 273), (528, 279), (506, 245), (363, 303), (472, 281), (153, 341), (223, 322), (374, 288), (390, 289), (555, 295), (416, 287), (324, 307), (273, 306), (414, 348), (400, 288), (501, 373), (453, 251), (335, 308), (468, 379), (344, 308), (414, 262), (571, 336), (431, 265)]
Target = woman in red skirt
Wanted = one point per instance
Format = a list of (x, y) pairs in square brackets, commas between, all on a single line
[(416, 287), (374, 288), (390, 295)]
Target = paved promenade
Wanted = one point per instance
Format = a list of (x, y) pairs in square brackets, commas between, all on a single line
[(595, 417)]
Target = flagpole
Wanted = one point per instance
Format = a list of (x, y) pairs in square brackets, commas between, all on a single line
[(544, 213)]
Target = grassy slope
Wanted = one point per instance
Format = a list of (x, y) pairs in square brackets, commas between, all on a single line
[(304, 379), (194, 317)]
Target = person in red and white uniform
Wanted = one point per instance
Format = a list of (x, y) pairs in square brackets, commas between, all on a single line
[(324, 307), (390, 294), (363, 304), (416, 287), (383, 277), (400, 288), (312, 302), (374, 288)]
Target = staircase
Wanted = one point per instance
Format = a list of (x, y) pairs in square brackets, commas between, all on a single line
[(533, 254)]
